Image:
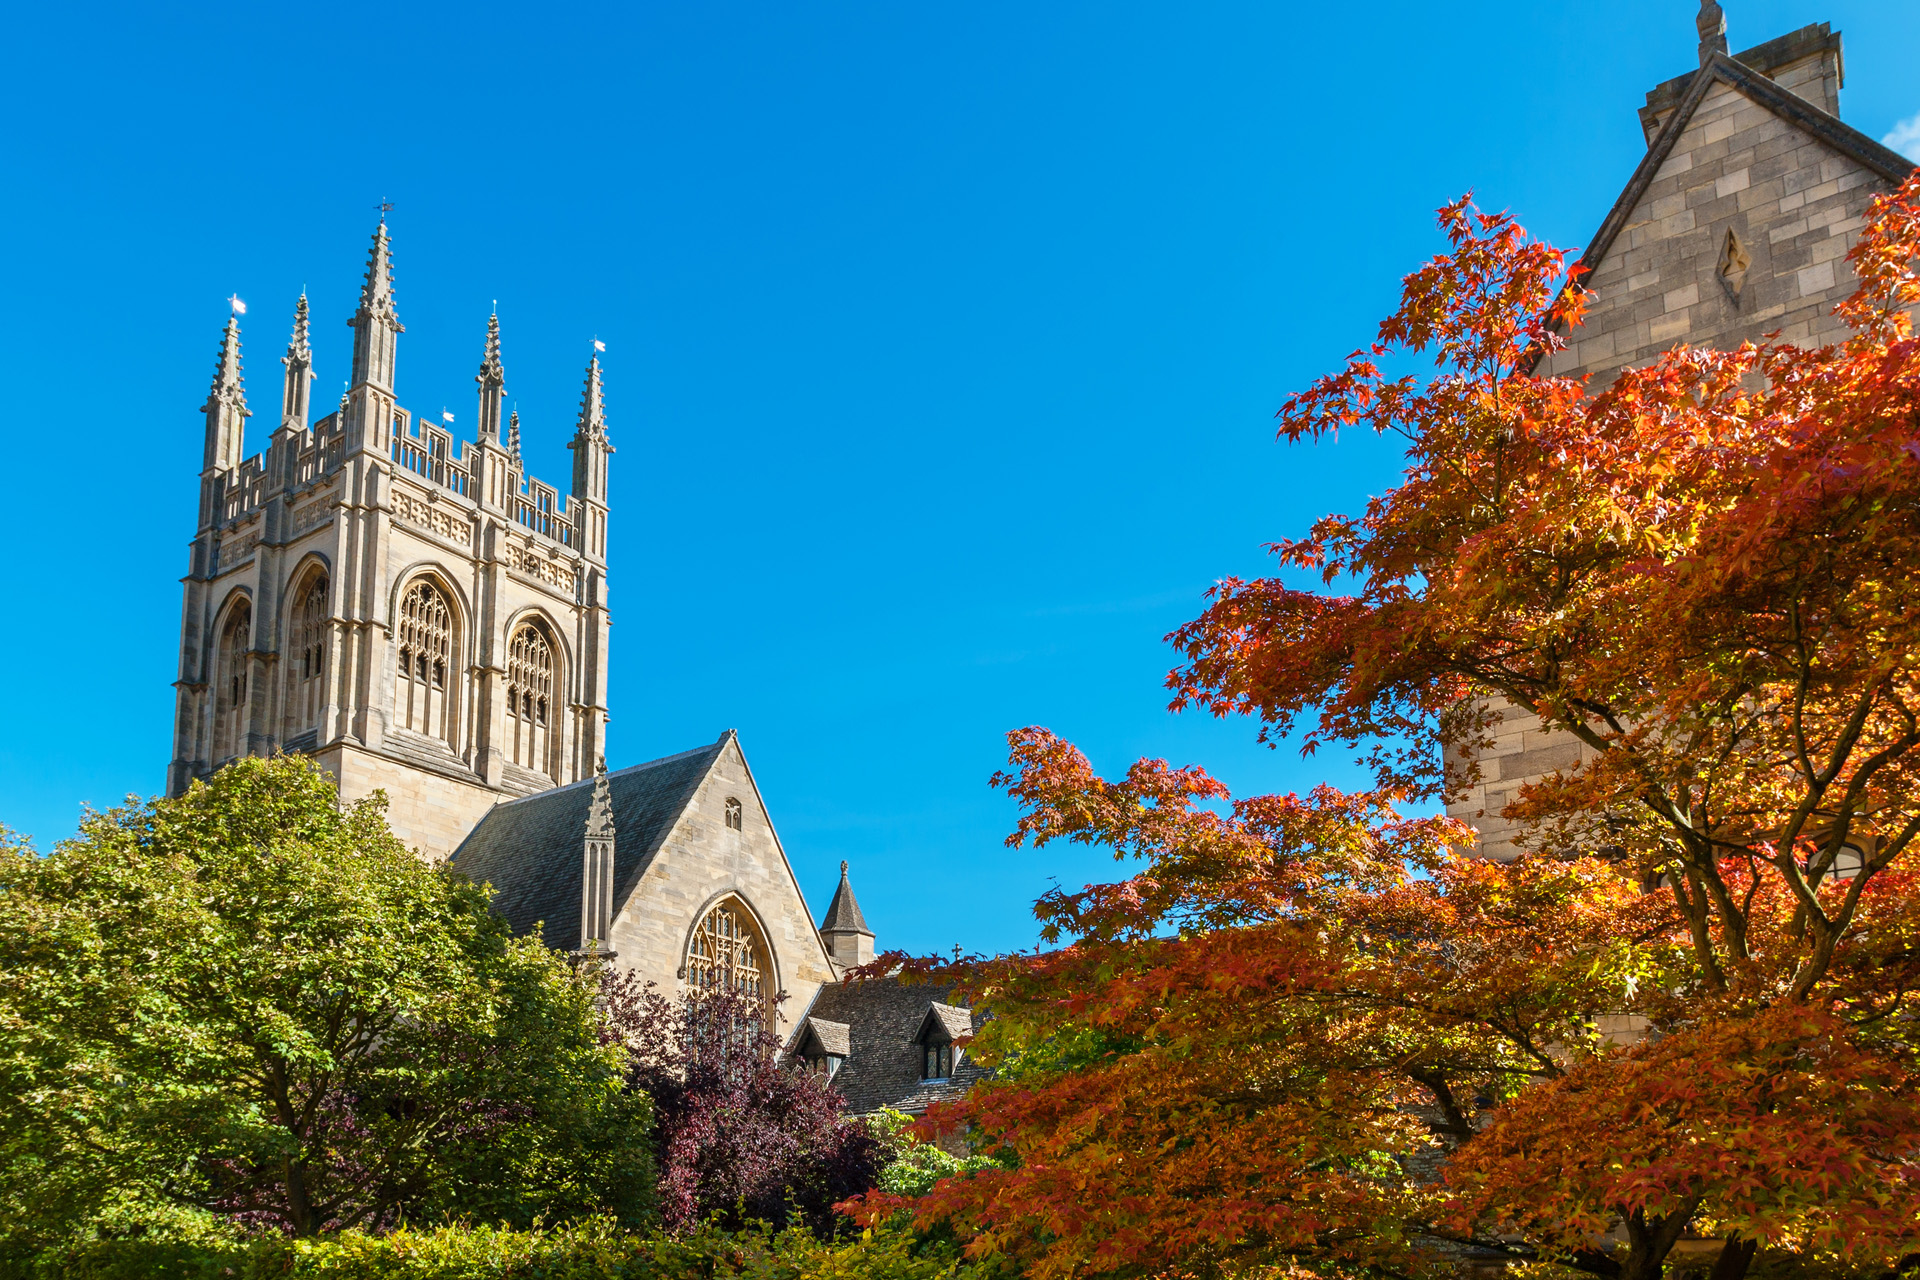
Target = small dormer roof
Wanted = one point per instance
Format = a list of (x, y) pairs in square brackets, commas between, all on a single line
[(943, 1024), (835, 1038)]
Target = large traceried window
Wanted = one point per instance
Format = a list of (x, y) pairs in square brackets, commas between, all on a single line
[(727, 955), (308, 659), (530, 709), (422, 695), (232, 691)]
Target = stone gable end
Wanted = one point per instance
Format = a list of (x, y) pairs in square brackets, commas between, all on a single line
[(702, 862)]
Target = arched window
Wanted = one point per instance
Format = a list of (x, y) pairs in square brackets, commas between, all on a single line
[(733, 814), (422, 695), (727, 955), (307, 660), (231, 685), (530, 709)]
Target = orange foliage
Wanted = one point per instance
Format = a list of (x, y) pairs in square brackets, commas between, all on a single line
[(1312, 1033)]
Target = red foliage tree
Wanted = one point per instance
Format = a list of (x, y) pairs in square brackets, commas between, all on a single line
[(1309, 1033), (738, 1134)]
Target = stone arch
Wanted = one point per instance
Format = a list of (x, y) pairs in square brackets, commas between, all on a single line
[(308, 650), (535, 693), (230, 663), (732, 900), (429, 638)]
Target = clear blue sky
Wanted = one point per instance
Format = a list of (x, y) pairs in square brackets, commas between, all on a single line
[(943, 341)]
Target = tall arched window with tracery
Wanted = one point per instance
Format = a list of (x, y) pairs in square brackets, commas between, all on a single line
[(231, 694), (307, 662), (727, 954), (530, 709), (423, 693)]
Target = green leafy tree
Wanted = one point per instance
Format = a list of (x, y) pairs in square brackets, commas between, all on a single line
[(255, 1002)]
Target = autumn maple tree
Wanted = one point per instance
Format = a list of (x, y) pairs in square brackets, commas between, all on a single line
[(1312, 1033)]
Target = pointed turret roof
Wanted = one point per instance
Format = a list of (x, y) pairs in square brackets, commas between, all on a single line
[(843, 913), (299, 349), (593, 408), (229, 386)]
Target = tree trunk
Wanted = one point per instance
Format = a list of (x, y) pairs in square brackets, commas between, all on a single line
[(1735, 1257), (1650, 1240)]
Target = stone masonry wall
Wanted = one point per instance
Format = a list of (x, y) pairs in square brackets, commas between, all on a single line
[(1796, 207), (702, 862)]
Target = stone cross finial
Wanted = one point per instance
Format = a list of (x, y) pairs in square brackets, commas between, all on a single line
[(843, 866), (1712, 25)]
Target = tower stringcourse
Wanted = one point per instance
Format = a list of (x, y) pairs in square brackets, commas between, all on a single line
[(422, 619)]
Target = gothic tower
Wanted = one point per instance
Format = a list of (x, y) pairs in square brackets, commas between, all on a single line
[(422, 621)]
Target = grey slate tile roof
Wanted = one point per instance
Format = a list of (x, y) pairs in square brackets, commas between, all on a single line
[(532, 851), (832, 1037), (884, 1015)]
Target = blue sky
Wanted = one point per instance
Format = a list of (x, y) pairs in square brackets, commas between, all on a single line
[(943, 341)]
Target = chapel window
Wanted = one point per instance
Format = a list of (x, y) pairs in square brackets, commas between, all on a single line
[(231, 684), (726, 955), (734, 821), (530, 709), (309, 657), (425, 669)]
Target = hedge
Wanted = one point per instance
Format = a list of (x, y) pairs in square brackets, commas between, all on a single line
[(592, 1251)]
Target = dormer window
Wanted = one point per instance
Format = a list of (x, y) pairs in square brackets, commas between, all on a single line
[(942, 1026), (823, 1047), (733, 814)]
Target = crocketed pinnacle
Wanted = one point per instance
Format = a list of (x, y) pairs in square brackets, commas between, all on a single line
[(593, 408), (1712, 26), (513, 438), (600, 809), (492, 374), (376, 295), (843, 913), (229, 386), (299, 350)]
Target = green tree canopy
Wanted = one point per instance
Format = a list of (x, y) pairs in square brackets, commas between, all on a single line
[(255, 1001)]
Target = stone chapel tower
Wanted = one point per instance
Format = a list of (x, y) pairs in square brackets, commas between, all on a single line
[(424, 623)]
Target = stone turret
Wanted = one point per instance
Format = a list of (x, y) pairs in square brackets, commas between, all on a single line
[(376, 324), (493, 382), (297, 388), (226, 406), (596, 879), (845, 931), (591, 449)]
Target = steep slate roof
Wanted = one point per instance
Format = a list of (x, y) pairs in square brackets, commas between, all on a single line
[(832, 1037), (532, 851), (885, 1016)]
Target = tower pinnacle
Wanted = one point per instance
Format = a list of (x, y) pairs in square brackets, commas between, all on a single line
[(1712, 26), (226, 406), (376, 323), (493, 381), (513, 440), (590, 451), (299, 363)]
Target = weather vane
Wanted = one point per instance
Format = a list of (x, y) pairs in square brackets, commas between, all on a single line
[(386, 207)]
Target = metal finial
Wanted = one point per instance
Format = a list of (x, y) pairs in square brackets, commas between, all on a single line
[(1712, 26)]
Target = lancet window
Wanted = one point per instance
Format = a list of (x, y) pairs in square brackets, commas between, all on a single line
[(231, 684), (530, 708), (423, 693), (727, 954), (309, 655), (734, 822)]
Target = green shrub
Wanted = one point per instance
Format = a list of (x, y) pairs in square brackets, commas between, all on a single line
[(594, 1250)]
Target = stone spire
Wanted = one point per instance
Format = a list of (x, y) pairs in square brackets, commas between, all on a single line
[(299, 362), (845, 931), (376, 324), (1712, 25), (591, 448), (513, 440), (493, 382), (226, 406), (596, 881)]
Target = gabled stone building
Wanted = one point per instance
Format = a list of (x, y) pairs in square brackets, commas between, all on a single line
[(1735, 223)]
